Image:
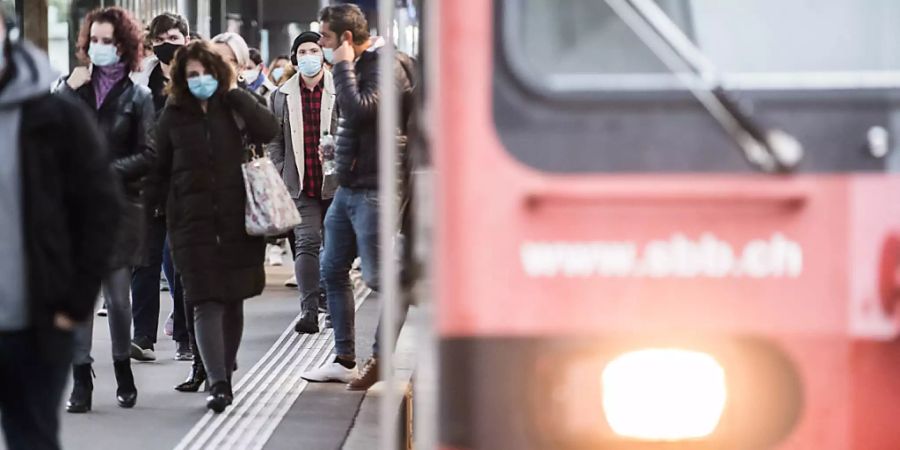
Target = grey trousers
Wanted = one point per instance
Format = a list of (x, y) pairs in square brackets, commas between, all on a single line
[(219, 327), (116, 289), (307, 244)]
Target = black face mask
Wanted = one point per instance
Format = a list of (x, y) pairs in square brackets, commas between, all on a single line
[(166, 52)]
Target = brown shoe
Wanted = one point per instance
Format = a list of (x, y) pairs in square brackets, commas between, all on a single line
[(368, 376)]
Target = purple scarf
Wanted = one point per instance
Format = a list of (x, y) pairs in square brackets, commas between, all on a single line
[(105, 78)]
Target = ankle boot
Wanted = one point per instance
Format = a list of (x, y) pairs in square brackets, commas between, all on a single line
[(220, 397), (82, 389), (126, 393), (194, 380), (309, 319)]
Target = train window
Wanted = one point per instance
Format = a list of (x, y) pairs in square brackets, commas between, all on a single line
[(577, 90), (585, 45)]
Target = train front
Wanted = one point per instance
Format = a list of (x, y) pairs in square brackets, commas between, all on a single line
[(668, 224)]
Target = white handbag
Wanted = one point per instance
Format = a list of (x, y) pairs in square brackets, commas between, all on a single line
[(270, 210)]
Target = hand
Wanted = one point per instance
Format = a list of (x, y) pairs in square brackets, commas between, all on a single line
[(63, 322), (79, 77), (344, 53)]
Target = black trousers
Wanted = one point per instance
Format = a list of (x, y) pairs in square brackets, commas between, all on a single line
[(31, 390), (145, 282), (145, 296)]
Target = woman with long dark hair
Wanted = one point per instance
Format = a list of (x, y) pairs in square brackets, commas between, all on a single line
[(109, 45), (200, 155)]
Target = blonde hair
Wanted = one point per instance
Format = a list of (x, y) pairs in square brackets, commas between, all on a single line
[(238, 45)]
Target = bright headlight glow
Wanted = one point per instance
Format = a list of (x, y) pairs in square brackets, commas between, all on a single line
[(663, 394)]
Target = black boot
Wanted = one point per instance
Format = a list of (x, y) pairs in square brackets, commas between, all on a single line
[(220, 397), (309, 319), (126, 393), (196, 379), (82, 389)]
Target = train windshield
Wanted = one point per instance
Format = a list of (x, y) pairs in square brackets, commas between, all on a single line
[(678, 85), (760, 44)]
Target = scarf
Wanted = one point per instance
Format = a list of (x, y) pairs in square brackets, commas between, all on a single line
[(105, 78)]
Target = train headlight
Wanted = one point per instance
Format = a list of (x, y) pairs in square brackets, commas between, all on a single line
[(664, 394)]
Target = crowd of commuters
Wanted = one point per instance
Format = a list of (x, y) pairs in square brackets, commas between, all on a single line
[(131, 167)]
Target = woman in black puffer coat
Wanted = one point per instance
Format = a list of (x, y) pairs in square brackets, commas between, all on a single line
[(200, 155), (110, 40)]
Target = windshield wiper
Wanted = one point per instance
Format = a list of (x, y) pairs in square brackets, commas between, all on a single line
[(771, 150)]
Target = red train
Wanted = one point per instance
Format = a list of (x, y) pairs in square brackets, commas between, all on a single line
[(632, 251)]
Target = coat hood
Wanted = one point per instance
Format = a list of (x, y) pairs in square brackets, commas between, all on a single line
[(32, 75)]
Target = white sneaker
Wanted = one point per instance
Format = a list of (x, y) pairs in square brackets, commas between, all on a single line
[(332, 371), (291, 282), (274, 255)]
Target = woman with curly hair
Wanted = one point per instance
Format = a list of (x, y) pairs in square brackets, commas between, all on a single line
[(110, 46), (199, 175)]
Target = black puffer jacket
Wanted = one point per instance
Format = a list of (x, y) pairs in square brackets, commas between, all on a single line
[(199, 171), (127, 119), (356, 139)]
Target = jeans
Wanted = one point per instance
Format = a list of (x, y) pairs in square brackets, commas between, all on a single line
[(351, 225), (180, 331), (115, 290), (31, 391), (307, 246), (219, 328), (145, 283)]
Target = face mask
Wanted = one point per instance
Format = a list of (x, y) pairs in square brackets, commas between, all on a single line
[(166, 52), (310, 65), (277, 73), (2, 54), (251, 75), (103, 55), (329, 55), (203, 86)]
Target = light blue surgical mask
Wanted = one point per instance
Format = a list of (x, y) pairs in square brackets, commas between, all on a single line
[(309, 65), (329, 55), (277, 73), (203, 86), (103, 55)]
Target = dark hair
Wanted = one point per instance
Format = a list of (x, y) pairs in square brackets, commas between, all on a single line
[(168, 21), (195, 36), (347, 17), (256, 56), (127, 33), (212, 62)]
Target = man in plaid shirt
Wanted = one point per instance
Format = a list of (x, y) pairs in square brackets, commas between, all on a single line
[(305, 107)]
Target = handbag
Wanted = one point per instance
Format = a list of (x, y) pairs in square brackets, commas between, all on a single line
[(270, 210)]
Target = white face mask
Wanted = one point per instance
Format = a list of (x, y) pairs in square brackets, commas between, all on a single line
[(250, 75), (103, 55), (310, 65)]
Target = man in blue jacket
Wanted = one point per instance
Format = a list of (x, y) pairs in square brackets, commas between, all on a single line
[(351, 223)]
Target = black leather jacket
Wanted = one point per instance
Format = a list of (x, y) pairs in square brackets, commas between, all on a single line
[(127, 119), (356, 138)]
